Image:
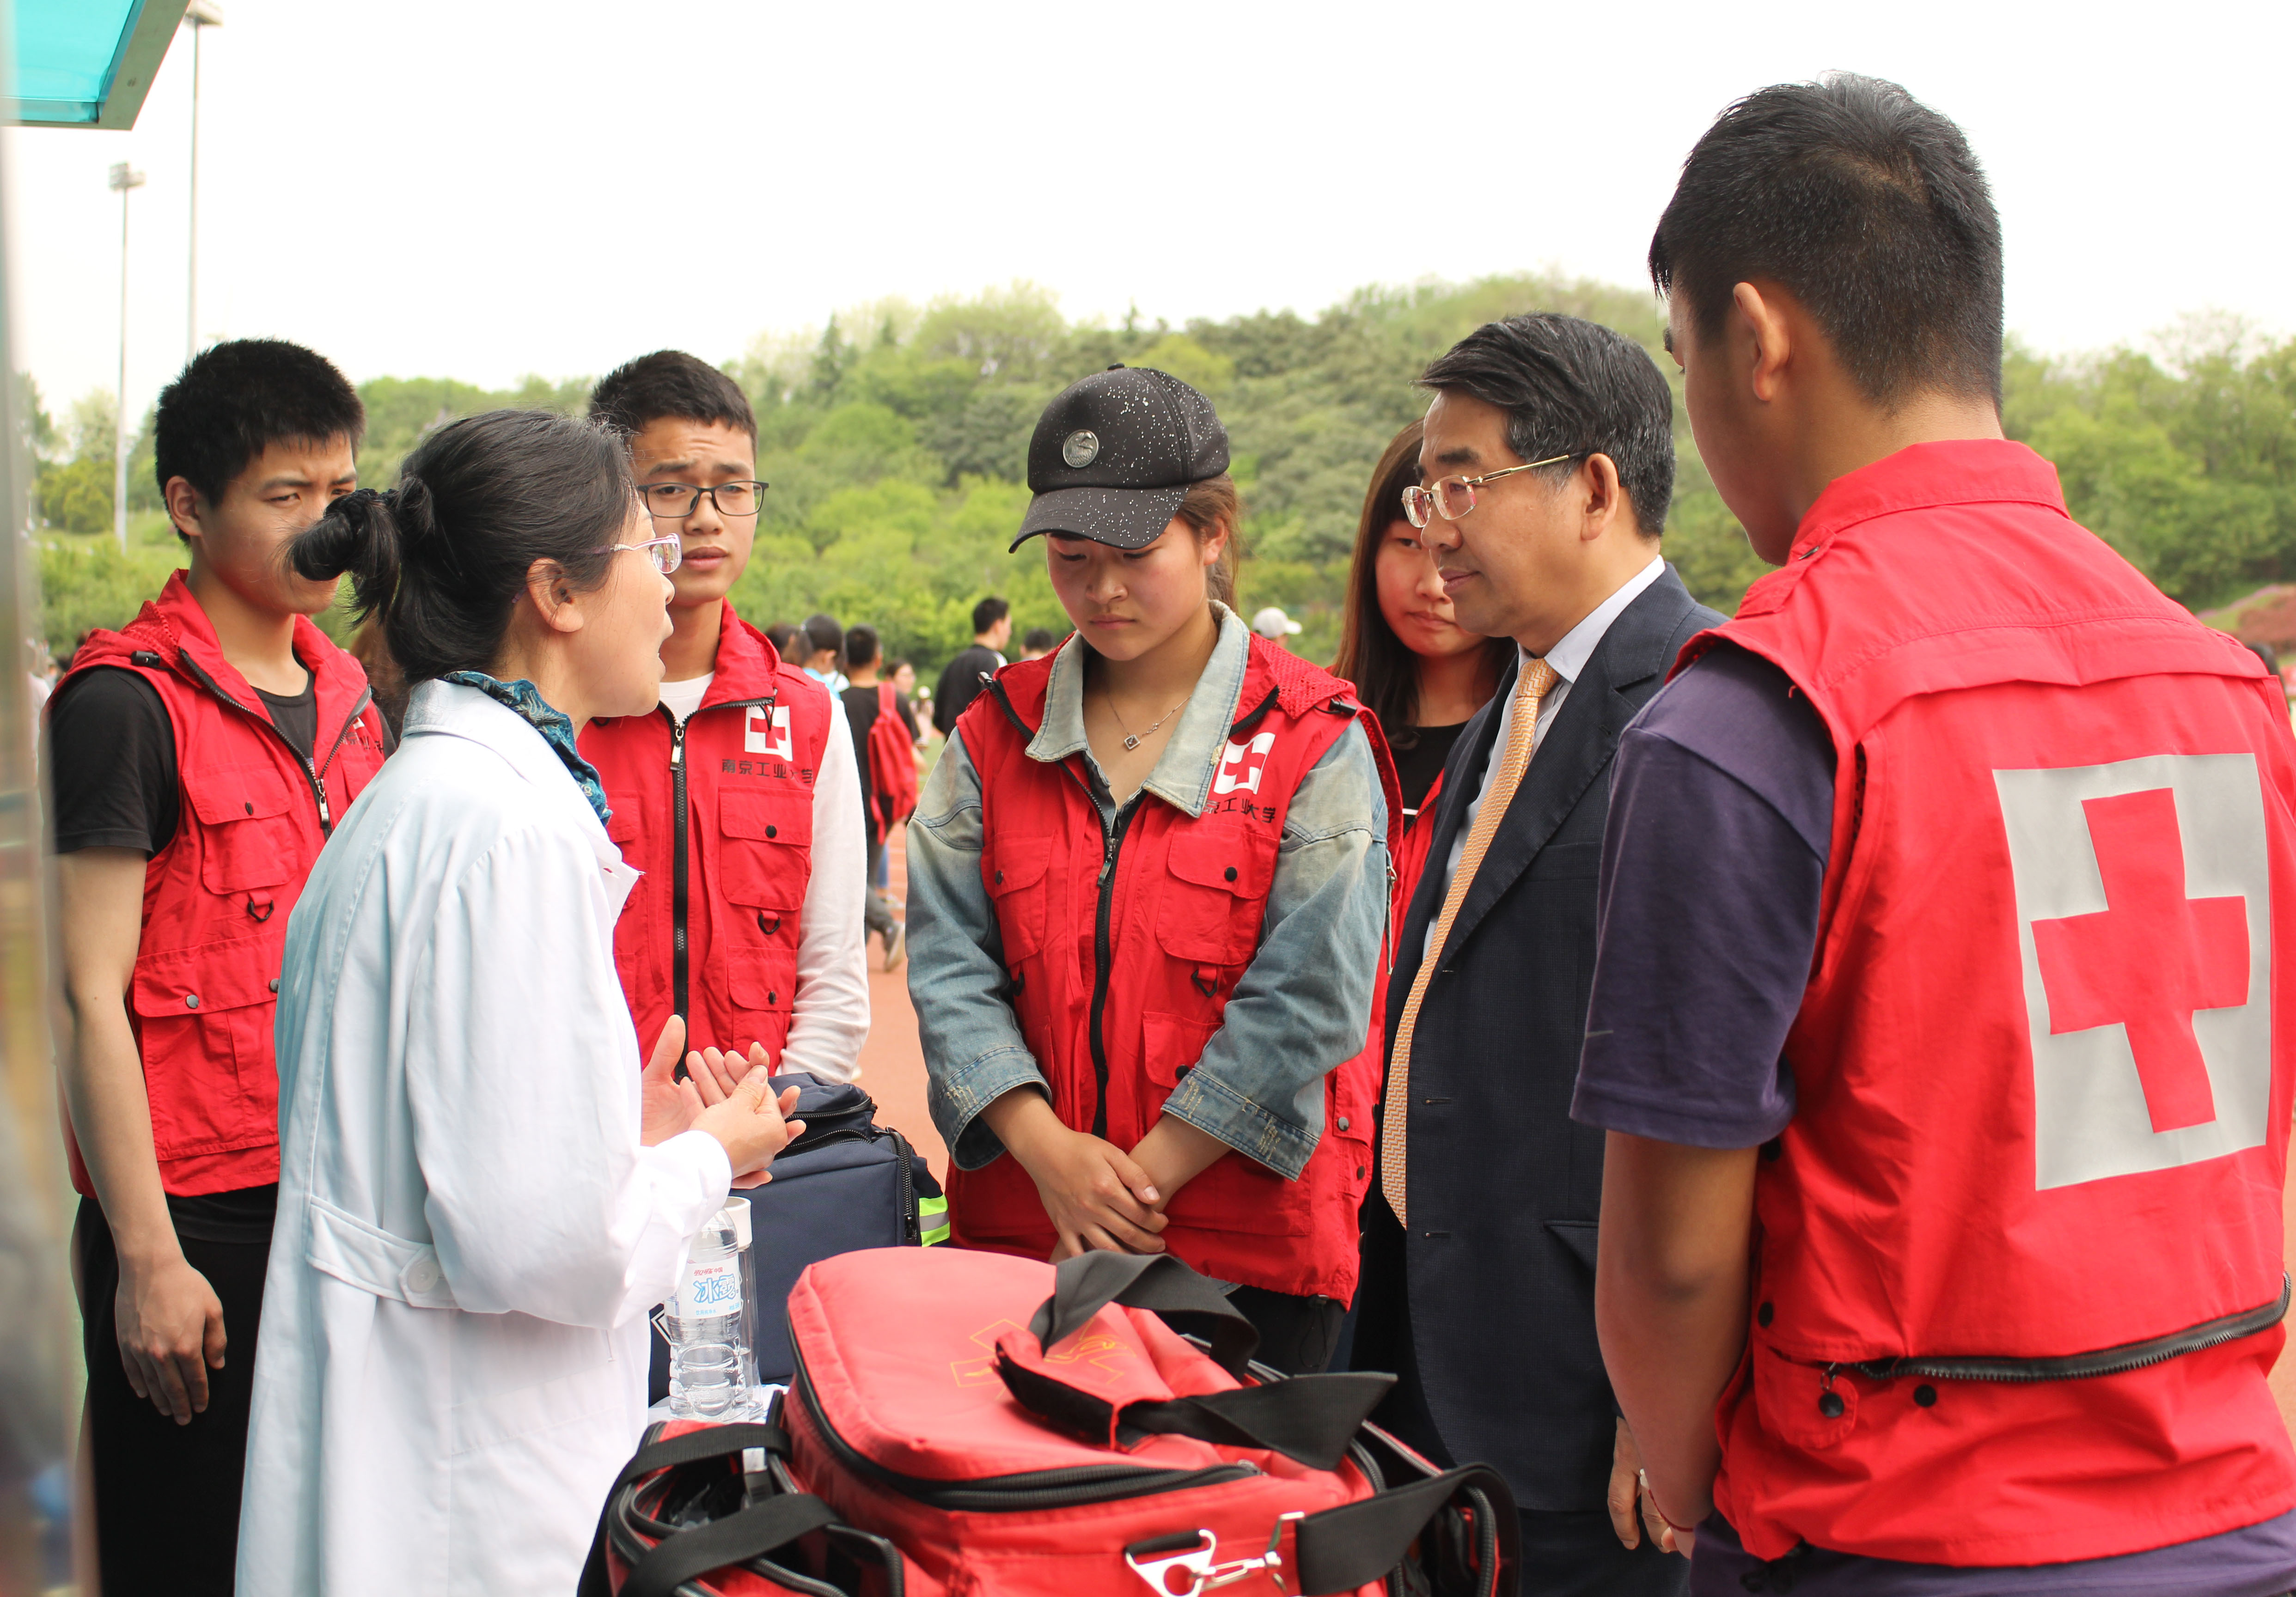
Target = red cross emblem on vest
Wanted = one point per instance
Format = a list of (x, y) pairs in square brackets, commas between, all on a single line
[(2142, 894), (1242, 763)]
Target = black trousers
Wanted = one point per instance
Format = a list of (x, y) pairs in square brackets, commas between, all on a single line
[(1297, 1335), (1563, 1554), (167, 1495)]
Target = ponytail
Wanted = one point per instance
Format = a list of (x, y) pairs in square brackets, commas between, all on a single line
[(442, 558)]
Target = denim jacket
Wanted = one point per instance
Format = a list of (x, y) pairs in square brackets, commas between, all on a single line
[(1301, 1007)]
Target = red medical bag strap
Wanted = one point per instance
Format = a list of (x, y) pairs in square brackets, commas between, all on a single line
[(1309, 1418), (719, 1441), (1089, 1282), (1357, 1544)]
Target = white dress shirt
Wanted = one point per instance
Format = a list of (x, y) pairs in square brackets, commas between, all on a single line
[(1566, 659)]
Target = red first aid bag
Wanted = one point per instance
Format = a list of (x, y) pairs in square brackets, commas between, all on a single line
[(962, 1424)]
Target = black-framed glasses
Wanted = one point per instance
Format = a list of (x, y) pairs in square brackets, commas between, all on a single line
[(665, 551), (1455, 496), (675, 500)]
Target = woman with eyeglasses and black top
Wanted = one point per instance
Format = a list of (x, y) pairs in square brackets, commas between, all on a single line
[(479, 1192), (1148, 895)]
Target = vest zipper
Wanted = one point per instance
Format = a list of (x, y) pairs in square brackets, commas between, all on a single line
[(313, 773), (1102, 956), (680, 895), (677, 893), (2077, 1366)]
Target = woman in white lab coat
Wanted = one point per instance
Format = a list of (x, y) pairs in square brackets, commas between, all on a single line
[(479, 1194)]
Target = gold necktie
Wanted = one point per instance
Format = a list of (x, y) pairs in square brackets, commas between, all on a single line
[(1538, 678)]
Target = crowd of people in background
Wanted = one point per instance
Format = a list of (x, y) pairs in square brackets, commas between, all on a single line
[(1772, 1087)]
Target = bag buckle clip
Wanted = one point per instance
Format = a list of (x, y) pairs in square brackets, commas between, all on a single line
[(1191, 1570)]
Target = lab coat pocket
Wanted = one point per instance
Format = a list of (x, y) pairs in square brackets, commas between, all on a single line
[(502, 1417)]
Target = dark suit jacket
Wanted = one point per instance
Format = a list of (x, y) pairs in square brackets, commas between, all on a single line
[(1504, 1186)]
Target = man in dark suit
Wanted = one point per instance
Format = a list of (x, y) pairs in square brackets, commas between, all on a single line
[(1548, 464)]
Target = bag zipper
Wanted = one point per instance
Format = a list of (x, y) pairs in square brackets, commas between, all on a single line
[(2075, 1366), (1005, 1494)]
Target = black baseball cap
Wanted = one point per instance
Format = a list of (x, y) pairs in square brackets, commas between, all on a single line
[(1115, 454)]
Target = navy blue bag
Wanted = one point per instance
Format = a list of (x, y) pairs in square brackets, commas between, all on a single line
[(846, 1184)]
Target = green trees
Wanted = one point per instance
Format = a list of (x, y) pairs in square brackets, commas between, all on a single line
[(895, 440)]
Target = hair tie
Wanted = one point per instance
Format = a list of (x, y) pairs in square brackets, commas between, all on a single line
[(390, 498)]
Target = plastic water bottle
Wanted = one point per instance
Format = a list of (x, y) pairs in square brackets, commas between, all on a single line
[(712, 1372)]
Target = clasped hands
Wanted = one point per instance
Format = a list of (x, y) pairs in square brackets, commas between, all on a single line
[(734, 1104), (1097, 1196)]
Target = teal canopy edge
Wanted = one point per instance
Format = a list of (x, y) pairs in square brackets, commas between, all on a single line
[(62, 76)]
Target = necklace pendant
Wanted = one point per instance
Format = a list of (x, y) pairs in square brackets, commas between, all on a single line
[(1131, 742)]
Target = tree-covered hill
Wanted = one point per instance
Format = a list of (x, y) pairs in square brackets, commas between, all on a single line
[(895, 441)]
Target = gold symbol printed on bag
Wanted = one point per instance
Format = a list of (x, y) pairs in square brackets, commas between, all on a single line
[(1081, 448)]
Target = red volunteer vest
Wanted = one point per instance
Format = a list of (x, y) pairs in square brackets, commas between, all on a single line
[(2019, 1263), (1116, 1018), (718, 815), (252, 817)]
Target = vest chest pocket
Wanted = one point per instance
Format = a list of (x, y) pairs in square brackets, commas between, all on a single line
[(766, 848), (1216, 897), (248, 832), (1015, 880)]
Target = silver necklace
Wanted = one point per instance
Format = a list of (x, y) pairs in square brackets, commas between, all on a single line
[(1130, 742)]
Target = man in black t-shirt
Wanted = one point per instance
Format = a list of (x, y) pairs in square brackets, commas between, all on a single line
[(863, 657), (253, 440), (960, 679)]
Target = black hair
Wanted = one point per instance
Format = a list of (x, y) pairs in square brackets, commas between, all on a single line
[(443, 557), (1572, 388), (781, 634), (669, 382), (1040, 639), (231, 402), (823, 632), (987, 613), (1871, 210), (860, 647), (1381, 665)]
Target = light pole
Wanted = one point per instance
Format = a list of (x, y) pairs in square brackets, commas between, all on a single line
[(202, 14), (124, 178)]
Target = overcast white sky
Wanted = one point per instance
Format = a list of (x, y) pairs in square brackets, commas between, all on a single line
[(483, 188)]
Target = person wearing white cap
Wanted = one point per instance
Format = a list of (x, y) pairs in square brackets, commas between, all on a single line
[(1274, 625)]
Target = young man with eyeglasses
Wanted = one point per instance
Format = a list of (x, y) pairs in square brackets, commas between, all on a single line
[(735, 797), (1936, 1022)]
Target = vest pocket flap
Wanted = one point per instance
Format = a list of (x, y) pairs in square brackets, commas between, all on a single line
[(622, 830), (373, 1259), (781, 818), (1171, 1044), (1242, 867), (759, 983), (1015, 880), (200, 980), (240, 793)]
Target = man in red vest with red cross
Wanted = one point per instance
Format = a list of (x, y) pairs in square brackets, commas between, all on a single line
[(1948, 894)]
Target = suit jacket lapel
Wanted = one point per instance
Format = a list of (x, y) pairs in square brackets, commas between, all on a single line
[(1577, 747)]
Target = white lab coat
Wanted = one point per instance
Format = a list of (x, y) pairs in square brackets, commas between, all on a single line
[(453, 1364)]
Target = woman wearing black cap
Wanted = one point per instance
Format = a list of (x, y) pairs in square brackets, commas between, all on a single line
[(1147, 894)]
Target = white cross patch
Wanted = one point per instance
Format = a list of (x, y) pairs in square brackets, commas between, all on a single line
[(1242, 763), (760, 737), (2144, 924)]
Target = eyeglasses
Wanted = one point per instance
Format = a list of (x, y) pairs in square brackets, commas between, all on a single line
[(664, 551), (1455, 496), (675, 500)]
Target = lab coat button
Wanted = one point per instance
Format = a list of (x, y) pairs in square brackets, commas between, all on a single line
[(422, 1275)]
